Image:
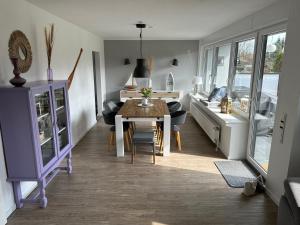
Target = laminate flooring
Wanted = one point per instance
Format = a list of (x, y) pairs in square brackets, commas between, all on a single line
[(185, 188)]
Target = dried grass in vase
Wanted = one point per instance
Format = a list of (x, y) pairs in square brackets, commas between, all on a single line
[(49, 34), (49, 39)]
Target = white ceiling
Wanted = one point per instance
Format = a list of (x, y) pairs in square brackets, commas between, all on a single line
[(171, 19)]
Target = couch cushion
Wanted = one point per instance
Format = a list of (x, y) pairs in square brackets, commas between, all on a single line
[(285, 214), (295, 187), (292, 193)]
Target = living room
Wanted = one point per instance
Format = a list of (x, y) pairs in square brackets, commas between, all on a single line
[(249, 51)]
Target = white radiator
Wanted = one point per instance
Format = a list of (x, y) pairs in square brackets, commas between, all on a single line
[(211, 128)]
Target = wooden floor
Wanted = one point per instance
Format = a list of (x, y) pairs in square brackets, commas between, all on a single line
[(184, 188)]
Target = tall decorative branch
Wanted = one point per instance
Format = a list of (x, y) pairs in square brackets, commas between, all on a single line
[(150, 65), (71, 76), (49, 38)]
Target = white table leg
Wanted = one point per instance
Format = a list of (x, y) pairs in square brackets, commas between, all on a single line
[(119, 136), (167, 127)]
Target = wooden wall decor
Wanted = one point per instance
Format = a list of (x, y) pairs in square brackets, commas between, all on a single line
[(19, 48), (71, 76), (49, 40), (150, 64)]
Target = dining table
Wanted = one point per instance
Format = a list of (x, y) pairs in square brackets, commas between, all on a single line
[(134, 111)]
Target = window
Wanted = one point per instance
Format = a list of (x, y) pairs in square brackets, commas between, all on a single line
[(220, 79), (216, 67), (242, 74), (250, 66), (208, 69), (232, 65)]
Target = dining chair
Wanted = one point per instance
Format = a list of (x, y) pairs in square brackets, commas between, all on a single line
[(109, 119), (142, 138), (177, 119), (173, 106), (114, 106)]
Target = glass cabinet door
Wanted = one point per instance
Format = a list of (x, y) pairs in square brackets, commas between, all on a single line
[(61, 116), (45, 126)]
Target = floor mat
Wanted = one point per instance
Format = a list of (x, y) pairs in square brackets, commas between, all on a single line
[(236, 173)]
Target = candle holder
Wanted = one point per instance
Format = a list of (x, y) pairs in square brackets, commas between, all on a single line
[(17, 81)]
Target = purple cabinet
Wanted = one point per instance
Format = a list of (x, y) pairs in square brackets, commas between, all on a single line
[(36, 133)]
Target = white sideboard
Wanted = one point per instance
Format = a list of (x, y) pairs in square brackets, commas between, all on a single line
[(228, 131), (156, 94)]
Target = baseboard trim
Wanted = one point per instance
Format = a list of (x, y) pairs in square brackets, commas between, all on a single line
[(274, 198), (10, 210)]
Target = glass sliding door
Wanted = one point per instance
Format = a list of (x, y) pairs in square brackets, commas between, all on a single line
[(263, 114)]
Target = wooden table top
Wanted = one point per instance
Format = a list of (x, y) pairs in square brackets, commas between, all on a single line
[(131, 109)]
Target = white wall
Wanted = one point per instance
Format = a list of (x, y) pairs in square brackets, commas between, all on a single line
[(285, 158), (162, 53), (270, 15), (19, 14)]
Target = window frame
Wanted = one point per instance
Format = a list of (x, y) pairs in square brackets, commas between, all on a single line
[(217, 46), (235, 42), (203, 63), (204, 66)]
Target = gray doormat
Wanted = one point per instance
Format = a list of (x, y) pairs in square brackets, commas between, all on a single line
[(236, 173)]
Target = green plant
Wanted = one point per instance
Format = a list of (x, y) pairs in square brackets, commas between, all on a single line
[(146, 92)]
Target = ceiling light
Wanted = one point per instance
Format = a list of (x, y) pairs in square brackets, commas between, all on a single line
[(141, 70)]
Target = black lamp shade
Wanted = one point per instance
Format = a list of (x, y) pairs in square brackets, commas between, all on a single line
[(126, 61), (141, 70), (175, 62)]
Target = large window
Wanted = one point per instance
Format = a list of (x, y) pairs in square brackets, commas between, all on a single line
[(242, 74), (220, 79), (208, 69), (250, 66), (231, 64), (216, 67)]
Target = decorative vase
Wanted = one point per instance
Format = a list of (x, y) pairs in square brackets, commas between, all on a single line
[(17, 81), (145, 101), (49, 74), (170, 82), (226, 105)]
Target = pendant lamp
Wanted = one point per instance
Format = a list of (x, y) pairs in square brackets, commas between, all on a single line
[(141, 70)]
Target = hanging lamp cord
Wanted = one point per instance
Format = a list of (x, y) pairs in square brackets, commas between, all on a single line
[(141, 43)]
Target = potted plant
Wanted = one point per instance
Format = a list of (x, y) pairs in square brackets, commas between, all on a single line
[(146, 94)]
